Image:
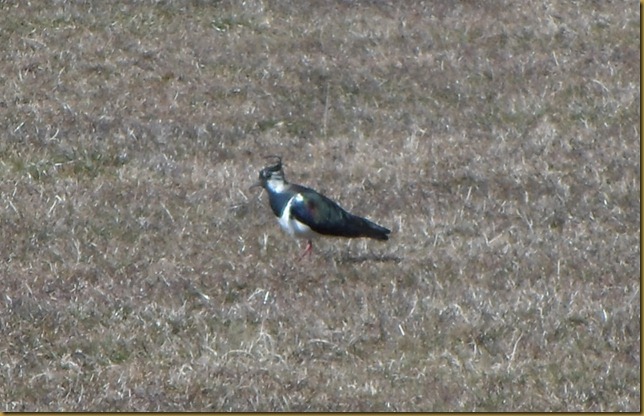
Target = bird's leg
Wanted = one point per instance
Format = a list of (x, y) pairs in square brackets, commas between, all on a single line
[(307, 250)]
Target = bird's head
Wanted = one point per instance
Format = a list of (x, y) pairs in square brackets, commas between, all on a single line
[(271, 176)]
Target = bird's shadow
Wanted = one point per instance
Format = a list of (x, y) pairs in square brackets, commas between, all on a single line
[(371, 257)]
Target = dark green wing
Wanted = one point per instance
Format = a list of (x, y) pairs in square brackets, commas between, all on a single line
[(326, 217)]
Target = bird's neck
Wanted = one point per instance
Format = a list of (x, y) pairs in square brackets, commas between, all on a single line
[(276, 185), (278, 194)]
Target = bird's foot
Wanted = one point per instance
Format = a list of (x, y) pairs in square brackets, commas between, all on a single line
[(308, 250)]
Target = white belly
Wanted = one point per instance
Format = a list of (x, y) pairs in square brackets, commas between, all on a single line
[(293, 227)]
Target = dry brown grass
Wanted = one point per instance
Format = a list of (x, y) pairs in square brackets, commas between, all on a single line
[(498, 140)]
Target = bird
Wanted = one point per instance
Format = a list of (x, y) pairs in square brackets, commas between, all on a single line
[(307, 214)]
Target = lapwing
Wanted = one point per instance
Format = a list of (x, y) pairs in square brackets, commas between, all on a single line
[(307, 214)]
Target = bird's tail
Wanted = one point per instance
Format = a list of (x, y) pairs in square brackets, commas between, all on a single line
[(366, 228)]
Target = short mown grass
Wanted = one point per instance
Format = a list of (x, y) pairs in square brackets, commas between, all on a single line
[(499, 141)]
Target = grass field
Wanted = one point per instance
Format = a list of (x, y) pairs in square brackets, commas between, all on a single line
[(499, 141)]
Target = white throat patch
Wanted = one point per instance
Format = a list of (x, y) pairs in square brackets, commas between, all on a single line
[(276, 185)]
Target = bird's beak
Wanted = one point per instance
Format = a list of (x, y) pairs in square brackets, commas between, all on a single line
[(255, 185)]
